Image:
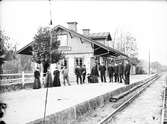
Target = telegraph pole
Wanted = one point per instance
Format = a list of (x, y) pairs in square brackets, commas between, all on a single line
[(50, 56)]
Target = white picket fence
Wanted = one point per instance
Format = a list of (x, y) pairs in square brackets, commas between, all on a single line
[(23, 78), (16, 78)]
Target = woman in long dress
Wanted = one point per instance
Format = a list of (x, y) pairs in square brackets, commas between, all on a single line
[(49, 82), (37, 83), (93, 78), (56, 81)]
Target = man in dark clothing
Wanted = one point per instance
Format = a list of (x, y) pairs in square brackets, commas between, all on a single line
[(127, 73), (120, 71), (95, 71), (83, 73), (45, 67), (102, 70), (116, 72), (110, 72), (78, 73)]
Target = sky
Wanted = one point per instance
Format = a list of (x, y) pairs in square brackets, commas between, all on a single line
[(145, 20)]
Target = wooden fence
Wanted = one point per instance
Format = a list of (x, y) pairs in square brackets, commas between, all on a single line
[(16, 78)]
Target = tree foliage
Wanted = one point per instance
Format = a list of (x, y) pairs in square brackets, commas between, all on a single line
[(21, 63), (3, 49), (41, 47), (157, 67), (126, 43), (25, 63), (7, 52), (134, 61)]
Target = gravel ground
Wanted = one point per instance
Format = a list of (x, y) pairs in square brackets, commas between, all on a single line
[(146, 109)]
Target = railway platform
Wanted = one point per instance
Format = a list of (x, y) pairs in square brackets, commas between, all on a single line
[(64, 104)]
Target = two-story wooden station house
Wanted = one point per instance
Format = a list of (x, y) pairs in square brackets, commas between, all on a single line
[(82, 48)]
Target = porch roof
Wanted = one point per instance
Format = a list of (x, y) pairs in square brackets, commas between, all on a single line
[(27, 50), (100, 35)]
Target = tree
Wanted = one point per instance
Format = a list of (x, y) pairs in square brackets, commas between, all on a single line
[(134, 61), (156, 66), (141, 67), (2, 51), (163, 68), (126, 43), (41, 47), (7, 52), (25, 63), (21, 63)]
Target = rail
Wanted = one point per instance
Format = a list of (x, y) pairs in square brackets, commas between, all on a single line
[(164, 108), (109, 118)]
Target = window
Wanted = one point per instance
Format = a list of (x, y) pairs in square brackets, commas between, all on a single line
[(62, 39), (78, 61), (64, 62)]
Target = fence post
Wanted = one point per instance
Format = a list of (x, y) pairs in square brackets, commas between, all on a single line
[(23, 78)]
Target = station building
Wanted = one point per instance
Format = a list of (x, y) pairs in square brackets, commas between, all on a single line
[(86, 48)]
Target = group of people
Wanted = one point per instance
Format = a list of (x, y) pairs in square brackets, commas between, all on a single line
[(80, 72), (117, 72), (120, 72), (48, 78)]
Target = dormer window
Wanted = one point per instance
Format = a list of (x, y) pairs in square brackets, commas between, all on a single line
[(63, 40)]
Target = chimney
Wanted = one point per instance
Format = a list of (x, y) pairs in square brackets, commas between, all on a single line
[(72, 26), (85, 31)]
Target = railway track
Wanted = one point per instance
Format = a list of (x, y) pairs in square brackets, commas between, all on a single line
[(109, 118), (105, 114), (164, 110)]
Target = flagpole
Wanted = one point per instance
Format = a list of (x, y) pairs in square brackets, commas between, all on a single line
[(50, 57)]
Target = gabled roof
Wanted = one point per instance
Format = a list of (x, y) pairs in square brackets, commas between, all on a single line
[(100, 35), (21, 51), (91, 41)]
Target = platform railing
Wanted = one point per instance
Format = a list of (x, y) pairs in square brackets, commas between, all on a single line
[(7, 79)]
